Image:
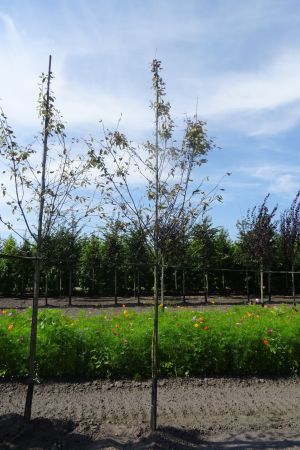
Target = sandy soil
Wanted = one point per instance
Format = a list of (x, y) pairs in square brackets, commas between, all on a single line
[(193, 414)]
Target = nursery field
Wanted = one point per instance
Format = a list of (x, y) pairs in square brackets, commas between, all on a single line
[(95, 304), (228, 378), (207, 413), (116, 343)]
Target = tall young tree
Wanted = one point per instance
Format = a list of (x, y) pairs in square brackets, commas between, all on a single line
[(257, 236), (170, 196), (47, 188), (289, 230)]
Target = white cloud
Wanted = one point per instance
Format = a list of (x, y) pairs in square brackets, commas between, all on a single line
[(279, 179), (261, 102)]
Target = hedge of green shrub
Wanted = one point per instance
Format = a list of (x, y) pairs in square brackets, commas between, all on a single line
[(242, 341)]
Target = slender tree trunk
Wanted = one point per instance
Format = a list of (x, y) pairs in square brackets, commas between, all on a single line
[(293, 285), (175, 280), (60, 283), (206, 286), (22, 283), (223, 282), (269, 287), (247, 287), (37, 267), (33, 341), (138, 288), (134, 285), (70, 285), (183, 286), (162, 282), (93, 281), (46, 288), (115, 286), (153, 418), (261, 283)]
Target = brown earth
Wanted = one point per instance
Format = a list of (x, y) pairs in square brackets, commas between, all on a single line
[(193, 414), (94, 305)]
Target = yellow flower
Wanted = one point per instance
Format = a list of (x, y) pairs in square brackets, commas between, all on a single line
[(10, 327), (123, 306), (196, 325)]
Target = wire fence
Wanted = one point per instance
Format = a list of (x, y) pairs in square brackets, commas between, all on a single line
[(133, 282)]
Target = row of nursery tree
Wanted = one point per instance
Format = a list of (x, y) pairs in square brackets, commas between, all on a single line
[(156, 189), (119, 262)]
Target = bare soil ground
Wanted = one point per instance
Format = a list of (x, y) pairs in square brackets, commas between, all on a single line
[(193, 414), (94, 306)]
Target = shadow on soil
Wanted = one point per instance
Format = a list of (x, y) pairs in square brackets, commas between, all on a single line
[(60, 434)]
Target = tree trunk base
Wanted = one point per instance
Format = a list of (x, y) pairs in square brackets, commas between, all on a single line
[(28, 403)]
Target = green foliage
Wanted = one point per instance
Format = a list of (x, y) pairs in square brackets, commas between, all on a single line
[(242, 341), (8, 267)]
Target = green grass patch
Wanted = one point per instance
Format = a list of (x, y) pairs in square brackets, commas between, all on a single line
[(242, 341)]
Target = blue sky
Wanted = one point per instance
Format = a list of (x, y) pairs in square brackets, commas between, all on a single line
[(240, 59)]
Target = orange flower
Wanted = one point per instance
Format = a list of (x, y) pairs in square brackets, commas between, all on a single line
[(206, 327), (3, 311), (201, 319), (266, 342), (10, 327)]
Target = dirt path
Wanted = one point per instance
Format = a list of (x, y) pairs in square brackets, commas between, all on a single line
[(193, 413)]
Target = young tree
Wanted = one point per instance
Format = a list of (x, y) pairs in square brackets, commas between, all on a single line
[(137, 257), (8, 266), (203, 248), (113, 255), (169, 198), (91, 258), (289, 230), (257, 236), (45, 192)]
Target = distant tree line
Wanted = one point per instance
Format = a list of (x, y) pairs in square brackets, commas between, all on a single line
[(119, 262)]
